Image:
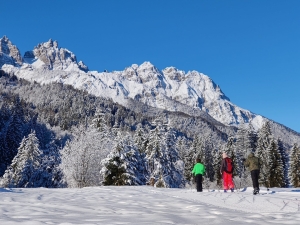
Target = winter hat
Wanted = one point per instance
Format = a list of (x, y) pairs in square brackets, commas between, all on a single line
[(224, 155)]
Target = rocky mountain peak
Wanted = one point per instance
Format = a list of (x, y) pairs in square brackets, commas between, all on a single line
[(56, 58), (82, 66), (174, 74), (148, 72), (147, 66), (9, 53)]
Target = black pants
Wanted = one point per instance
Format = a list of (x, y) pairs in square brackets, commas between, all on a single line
[(199, 182), (254, 176)]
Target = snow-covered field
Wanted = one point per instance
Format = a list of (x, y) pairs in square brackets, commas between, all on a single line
[(147, 205)]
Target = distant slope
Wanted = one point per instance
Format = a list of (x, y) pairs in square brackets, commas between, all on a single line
[(164, 89), (192, 93)]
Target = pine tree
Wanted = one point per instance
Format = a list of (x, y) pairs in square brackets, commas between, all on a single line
[(172, 167), (245, 144), (217, 158), (123, 166), (276, 175), (193, 153), (240, 148), (251, 140), (4, 118), (188, 159), (50, 174), (263, 153), (154, 153), (140, 139), (100, 122), (3, 152), (208, 149), (134, 162), (294, 171), (113, 170), (15, 132), (285, 161), (24, 168), (181, 146)]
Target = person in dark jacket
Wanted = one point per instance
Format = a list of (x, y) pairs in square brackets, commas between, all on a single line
[(226, 171), (254, 165), (198, 171)]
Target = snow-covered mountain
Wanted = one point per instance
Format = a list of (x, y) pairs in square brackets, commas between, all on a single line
[(9, 53), (166, 89)]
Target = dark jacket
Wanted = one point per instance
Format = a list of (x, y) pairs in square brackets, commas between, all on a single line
[(252, 162), (223, 167)]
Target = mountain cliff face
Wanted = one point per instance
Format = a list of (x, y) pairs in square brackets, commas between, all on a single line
[(165, 89), (9, 53), (50, 56)]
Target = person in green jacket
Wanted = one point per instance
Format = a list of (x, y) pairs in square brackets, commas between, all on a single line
[(198, 171), (254, 165)]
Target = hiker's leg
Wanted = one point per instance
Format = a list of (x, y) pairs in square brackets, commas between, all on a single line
[(253, 177)]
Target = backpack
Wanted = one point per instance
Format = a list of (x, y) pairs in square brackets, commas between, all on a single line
[(229, 167)]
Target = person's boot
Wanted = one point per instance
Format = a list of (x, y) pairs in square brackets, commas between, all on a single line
[(255, 191), (225, 190), (232, 190)]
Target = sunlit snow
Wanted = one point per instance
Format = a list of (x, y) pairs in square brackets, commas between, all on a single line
[(147, 205)]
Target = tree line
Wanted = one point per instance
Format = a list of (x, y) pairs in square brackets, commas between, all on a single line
[(56, 136)]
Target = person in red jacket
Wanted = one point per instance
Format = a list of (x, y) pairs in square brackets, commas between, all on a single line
[(226, 171), (198, 171)]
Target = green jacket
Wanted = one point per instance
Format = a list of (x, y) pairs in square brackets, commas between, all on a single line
[(252, 162), (199, 168)]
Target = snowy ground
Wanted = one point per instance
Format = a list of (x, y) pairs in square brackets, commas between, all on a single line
[(147, 205)]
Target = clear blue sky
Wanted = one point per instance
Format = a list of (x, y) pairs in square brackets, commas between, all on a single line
[(250, 48)]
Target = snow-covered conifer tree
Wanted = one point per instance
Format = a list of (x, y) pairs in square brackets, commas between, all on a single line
[(181, 146), (208, 149), (173, 165), (50, 174), (140, 139), (190, 159), (124, 165), (154, 152), (240, 151), (163, 162), (262, 152), (251, 139), (188, 164), (276, 175), (15, 132), (294, 170), (100, 123), (24, 168), (217, 158), (272, 170), (285, 161)]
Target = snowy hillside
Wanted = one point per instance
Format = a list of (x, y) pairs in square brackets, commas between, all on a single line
[(147, 205), (166, 89)]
